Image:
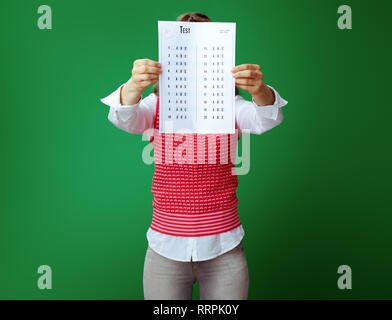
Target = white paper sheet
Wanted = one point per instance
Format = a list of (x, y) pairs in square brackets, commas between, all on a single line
[(196, 87)]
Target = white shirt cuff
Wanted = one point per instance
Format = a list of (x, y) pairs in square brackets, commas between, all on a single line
[(271, 111), (123, 112)]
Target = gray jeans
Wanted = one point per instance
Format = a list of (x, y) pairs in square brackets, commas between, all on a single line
[(222, 278)]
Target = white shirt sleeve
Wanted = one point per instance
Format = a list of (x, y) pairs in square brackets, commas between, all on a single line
[(258, 119), (131, 118)]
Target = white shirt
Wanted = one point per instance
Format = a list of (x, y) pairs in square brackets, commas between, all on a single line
[(139, 117)]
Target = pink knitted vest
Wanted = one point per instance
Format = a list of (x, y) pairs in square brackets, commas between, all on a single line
[(193, 184)]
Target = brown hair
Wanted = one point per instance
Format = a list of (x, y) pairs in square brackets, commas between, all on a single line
[(189, 17)]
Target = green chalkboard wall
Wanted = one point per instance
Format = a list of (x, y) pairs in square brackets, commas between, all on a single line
[(75, 193)]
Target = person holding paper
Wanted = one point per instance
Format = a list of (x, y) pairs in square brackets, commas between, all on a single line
[(195, 234)]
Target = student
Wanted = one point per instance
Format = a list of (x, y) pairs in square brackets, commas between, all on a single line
[(195, 234)]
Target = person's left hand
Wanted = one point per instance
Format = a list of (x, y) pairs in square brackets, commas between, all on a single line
[(248, 77)]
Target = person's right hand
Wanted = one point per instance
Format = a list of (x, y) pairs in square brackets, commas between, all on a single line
[(144, 73)]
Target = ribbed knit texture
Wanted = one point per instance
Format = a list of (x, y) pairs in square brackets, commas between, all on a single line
[(197, 196)]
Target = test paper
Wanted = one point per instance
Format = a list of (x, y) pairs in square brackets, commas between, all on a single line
[(196, 86)]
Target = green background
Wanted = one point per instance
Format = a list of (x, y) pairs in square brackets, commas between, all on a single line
[(75, 194)]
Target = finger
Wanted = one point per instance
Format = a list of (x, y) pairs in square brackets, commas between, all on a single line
[(145, 76), (245, 67), (149, 62), (146, 69), (247, 74), (248, 82), (244, 87), (146, 83)]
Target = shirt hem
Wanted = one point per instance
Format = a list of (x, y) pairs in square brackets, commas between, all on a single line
[(228, 248)]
